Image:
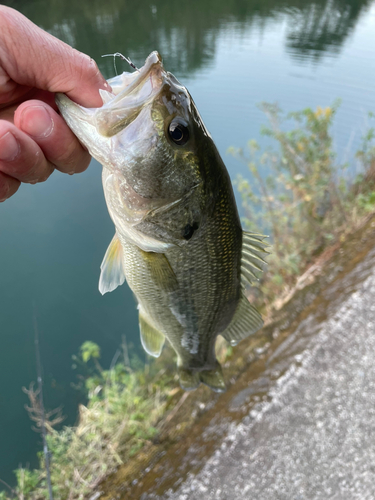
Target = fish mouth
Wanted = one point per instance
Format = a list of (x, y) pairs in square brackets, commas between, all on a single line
[(132, 97), (131, 93)]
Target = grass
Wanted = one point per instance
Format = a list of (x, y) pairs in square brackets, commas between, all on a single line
[(124, 405), (306, 202)]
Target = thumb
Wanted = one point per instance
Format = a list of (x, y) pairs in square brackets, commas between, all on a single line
[(34, 58)]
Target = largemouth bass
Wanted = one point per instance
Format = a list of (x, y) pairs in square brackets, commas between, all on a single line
[(178, 240)]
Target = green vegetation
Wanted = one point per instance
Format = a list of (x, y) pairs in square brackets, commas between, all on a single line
[(306, 202), (124, 406)]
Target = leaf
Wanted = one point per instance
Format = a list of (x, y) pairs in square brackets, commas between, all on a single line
[(89, 350)]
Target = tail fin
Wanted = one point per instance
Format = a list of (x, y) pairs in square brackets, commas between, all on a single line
[(213, 378), (189, 380)]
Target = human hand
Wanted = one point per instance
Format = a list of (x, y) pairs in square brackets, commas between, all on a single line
[(34, 138)]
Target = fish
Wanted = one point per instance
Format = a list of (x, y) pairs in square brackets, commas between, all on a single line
[(178, 239)]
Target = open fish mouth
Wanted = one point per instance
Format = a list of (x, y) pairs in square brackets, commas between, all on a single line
[(131, 92)]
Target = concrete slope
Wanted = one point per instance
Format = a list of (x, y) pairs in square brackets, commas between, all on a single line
[(315, 437), (307, 428)]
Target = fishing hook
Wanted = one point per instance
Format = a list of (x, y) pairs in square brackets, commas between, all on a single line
[(118, 54)]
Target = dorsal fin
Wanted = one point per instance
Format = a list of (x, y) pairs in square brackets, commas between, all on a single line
[(255, 238), (152, 340), (251, 259), (112, 268), (245, 322)]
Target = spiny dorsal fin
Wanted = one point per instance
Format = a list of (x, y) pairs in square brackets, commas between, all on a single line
[(112, 269), (245, 322), (152, 340), (251, 259)]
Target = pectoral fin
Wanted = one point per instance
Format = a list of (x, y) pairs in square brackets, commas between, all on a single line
[(160, 271), (245, 322), (112, 268), (152, 340)]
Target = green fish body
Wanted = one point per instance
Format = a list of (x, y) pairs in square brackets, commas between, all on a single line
[(178, 242)]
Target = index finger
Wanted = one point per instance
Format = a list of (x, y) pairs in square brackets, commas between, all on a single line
[(34, 58)]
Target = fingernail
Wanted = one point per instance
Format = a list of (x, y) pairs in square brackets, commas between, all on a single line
[(107, 86), (9, 147), (36, 121)]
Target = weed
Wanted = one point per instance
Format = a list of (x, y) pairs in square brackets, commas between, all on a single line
[(299, 194), (123, 409)]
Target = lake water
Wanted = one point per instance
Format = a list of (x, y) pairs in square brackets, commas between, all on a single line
[(231, 55)]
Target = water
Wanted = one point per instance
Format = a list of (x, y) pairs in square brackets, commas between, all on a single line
[(231, 55)]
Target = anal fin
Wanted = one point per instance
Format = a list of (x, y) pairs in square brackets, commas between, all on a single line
[(112, 268), (152, 340), (245, 322)]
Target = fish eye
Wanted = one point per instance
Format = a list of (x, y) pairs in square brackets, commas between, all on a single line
[(178, 132)]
